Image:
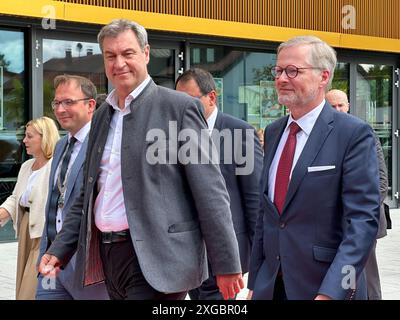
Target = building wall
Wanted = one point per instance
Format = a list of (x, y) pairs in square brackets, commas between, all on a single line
[(318, 15), (235, 40), (376, 23)]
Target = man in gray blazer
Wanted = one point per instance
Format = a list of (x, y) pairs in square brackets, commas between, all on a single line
[(242, 183), (73, 106), (144, 218), (338, 99)]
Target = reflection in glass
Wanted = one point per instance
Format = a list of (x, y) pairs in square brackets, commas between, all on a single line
[(162, 66), (374, 105), (71, 57), (245, 76), (13, 114), (341, 78)]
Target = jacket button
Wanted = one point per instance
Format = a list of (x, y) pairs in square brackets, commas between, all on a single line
[(90, 179), (278, 257), (99, 150), (282, 225)]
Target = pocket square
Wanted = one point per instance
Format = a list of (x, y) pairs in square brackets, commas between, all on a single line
[(320, 168)]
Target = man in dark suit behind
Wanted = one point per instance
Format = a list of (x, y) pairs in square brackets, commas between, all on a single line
[(143, 219), (338, 99), (243, 187), (320, 202)]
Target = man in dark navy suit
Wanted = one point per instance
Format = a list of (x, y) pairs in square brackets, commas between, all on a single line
[(240, 157), (320, 201)]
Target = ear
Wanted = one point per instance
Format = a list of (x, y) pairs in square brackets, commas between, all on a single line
[(213, 97), (147, 53), (92, 105), (325, 74)]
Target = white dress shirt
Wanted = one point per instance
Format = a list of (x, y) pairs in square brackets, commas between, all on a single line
[(109, 207), (80, 137), (211, 120), (306, 123)]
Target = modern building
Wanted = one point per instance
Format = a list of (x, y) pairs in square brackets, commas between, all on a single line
[(235, 40)]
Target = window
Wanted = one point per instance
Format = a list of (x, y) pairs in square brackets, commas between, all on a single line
[(244, 82), (13, 114), (71, 57)]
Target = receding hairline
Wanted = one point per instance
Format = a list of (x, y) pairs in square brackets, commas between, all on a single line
[(337, 92)]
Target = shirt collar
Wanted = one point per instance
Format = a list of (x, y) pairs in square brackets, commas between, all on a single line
[(306, 122), (82, 133), (112, 98), (212, 118)]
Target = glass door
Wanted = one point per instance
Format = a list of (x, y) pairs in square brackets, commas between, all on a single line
[(166, 61), (13, 113), (375, 98)]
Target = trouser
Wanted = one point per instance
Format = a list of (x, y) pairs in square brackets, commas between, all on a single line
[(124, 277), (372, 275)]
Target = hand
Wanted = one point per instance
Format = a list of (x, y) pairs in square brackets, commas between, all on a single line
[(230, 284), (322, 297), (49, 265), (4, 216), (249, 295)]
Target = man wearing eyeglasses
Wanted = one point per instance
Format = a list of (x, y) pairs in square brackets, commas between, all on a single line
[(73, 105), (320, 210)]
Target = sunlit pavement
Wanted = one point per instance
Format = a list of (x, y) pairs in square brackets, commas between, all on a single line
[(388, 253)]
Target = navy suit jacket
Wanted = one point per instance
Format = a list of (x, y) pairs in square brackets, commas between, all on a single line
[(74, 185), (243, 189), (323, 237)]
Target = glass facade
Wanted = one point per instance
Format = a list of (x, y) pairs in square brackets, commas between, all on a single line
[(242, 74), (72, 57), (244, 82), (374, 105), (162, 66), (13, 114)]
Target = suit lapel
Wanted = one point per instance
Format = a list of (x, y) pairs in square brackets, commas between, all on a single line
[(219, 125), (318, 135), (102, 127), (271, 144), (54, 165), (219, 121), (80, 158), (273, 136)]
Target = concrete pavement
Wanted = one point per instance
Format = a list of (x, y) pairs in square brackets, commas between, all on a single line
[(388, 255)]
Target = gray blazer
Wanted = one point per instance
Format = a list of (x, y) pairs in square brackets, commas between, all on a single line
[(74, 185), (174, 211)]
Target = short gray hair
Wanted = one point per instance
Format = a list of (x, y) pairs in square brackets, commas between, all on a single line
[(322, 55), (118, 26)]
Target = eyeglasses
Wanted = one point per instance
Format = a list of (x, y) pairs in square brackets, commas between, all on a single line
[(290, 70), (66, 103), (201, 96)]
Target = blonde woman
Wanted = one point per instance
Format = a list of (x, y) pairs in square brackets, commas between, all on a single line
[(26, 205)]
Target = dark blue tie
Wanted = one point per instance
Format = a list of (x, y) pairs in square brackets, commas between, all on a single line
[(55, 194)]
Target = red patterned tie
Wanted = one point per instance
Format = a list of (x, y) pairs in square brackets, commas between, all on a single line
[(284, 167)]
